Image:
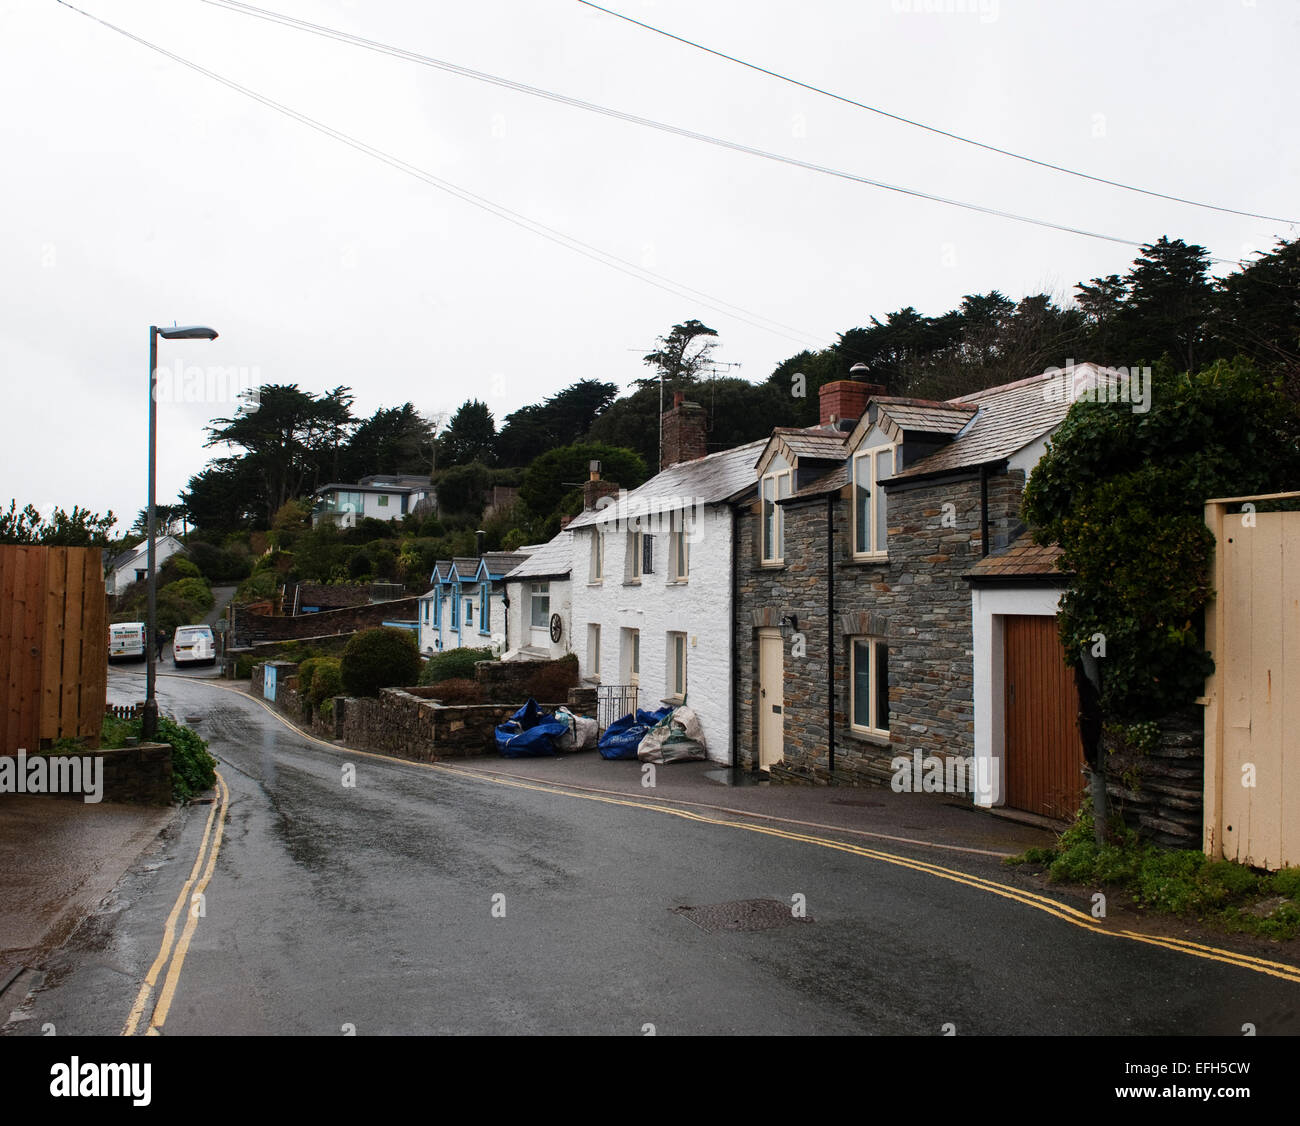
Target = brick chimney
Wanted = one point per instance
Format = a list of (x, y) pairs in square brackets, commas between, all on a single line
[(684, 430), (595, 488), (845, 401)]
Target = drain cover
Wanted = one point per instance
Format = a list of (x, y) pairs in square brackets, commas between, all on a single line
[(742, 915)]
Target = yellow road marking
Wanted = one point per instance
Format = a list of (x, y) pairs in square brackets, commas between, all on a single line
[(217, 814), (169, 932), (1038, 902)]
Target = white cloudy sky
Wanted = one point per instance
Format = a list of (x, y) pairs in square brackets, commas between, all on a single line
[(136, 191)]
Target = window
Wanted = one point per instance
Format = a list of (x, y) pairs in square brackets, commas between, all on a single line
[(647, 554), (383, 500), (140, 574), (455, 608), (774, 487), (593, 651), (597, 571), (469, 611), (634, 557), (678, 550), (677, 665), (485, 608), (869, 684), (539, 612), (870, 523), (437, 610), (631, 657)]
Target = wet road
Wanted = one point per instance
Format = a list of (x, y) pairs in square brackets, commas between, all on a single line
[(418, 900)]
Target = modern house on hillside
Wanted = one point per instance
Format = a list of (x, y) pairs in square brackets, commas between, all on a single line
[(652, 592), (381, 497)]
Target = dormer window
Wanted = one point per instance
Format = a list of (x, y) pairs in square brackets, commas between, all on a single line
[(870, 523), (774, 487)]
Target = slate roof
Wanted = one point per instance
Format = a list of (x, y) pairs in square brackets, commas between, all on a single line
[(1007, 419), (706, 480), (927, 417), (813, 442), (466, 566), (503, 562), (1023, 559), (552, 560), (831, 482)]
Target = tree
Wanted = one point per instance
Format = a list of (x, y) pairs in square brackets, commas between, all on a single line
[(564, 418), (682, 354), (1257, 312), (470, 436), (392, 440), (1123, 493), (291, 440), (229, 494), (1169, 305), (559, 473), (78, 528)]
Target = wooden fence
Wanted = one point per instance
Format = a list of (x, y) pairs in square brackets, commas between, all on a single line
[(1252, 714), (53, 645)]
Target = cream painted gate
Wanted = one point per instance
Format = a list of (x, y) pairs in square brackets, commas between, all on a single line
[(771, 698), (1252, 717)]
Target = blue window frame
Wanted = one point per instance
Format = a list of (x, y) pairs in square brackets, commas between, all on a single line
[(455, 608), (437, 610), (484, 606)]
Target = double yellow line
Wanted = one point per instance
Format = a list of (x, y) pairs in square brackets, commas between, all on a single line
[(209, 846)]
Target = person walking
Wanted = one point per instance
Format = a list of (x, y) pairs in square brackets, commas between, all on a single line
[(161, 641)]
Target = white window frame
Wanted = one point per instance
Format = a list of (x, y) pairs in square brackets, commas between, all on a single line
[(593, 651), (634, 570), (772, 488), (876, 645), (539, 592), (876, 497), (677, 667), (596, 572), (679, 550)]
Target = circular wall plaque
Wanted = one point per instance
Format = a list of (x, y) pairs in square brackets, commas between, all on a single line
[(557, 627)]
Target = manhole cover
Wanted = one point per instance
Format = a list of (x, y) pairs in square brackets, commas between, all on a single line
[(742, 915)]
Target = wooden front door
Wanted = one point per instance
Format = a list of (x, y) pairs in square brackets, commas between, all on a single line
[(771, 698), (1043, 753)]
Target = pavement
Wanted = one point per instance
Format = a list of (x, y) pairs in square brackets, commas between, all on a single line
[(61, 859)]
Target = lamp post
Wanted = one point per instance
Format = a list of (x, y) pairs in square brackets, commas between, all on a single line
[(149, 724)]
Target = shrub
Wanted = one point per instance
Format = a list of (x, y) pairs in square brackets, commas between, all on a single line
[(326, 681), (379, 658), (453, 664), (460, 691), (244, 667), (359, 565), (178, 567), (305, 670), (193, 769), (551, 683), (1287, 882)]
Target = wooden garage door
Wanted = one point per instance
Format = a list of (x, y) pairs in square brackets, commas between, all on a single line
[(1043, 751)]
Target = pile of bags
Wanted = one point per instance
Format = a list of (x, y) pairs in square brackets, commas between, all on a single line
[(667, 735), (531, 732)]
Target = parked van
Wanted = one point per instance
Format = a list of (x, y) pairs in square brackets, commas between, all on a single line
[(126, 641), (194, 645)]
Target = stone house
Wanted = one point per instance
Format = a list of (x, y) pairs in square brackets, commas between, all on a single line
[(853, 621), (652, 570)]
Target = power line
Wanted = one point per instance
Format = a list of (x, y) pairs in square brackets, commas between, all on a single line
[(640, 273), (935, 129), (647, 122)]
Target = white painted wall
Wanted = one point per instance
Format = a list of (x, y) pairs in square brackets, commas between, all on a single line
[(988, 607), (521, 632), (442, 637), (699, 607), (123, 577)]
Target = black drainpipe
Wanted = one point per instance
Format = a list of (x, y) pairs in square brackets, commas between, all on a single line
[(984, 510), (830, 631), (735, 634)]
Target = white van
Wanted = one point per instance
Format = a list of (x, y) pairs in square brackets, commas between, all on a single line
[(194, 645), (126, 641)]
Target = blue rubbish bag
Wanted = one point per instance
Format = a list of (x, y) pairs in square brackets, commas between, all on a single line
[(623, 736), (530, 732)]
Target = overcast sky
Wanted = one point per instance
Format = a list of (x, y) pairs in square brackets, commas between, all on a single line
[(136, 191)]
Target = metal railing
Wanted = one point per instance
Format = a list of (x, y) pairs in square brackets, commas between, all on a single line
[(614, 701)]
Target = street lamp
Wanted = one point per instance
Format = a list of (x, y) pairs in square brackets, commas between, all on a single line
[(149, 724)]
